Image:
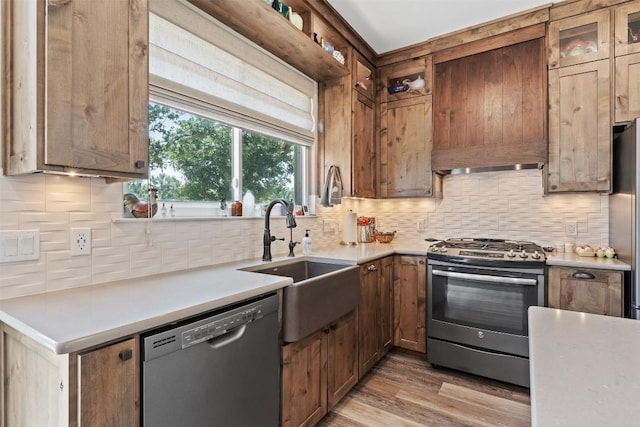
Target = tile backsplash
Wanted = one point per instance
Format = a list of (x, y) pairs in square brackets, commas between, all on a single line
[(493, 204)]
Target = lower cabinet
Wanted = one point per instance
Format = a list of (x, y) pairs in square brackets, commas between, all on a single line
[(318, 371), (375, 314), (410, 296), (95, 388), (108, 385), (588, 290)]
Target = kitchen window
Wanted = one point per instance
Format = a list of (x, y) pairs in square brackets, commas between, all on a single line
[(201, 165), (225, 116)]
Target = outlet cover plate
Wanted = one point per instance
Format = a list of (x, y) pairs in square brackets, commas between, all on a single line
[(571, 228), (80, 241)]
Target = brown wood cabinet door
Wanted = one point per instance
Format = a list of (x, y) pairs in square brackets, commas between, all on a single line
[(405, 148), (588, 290), (97, 85), (385, 286), (627, 90), (579, 128), (627, 29), (363, 166), (304, 381), (342, 357), (109, 385), (410, 295), (368, 323), (335, 135), (579, 39)]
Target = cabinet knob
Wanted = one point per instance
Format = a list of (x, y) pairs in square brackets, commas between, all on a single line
[(139, 164), (125, 355), (372, 267)]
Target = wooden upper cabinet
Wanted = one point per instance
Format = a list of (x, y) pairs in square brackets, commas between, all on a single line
[(489, 108), (406, 79), (579, 39), (627, 29), (363, 161), (627, 90), (79, 93), (580, 128), (363, 76), (405, 149), (627, 62), (347, 139)]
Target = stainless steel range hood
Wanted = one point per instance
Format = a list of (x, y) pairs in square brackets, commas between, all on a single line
[(517, 167)]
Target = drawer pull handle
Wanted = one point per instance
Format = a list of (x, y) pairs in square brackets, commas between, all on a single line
[(372, 267), (125, 355), (583, 275)]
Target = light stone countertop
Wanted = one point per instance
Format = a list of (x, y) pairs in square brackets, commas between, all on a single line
[(584, 369), (577, 261), (79, 318), (75, 319)]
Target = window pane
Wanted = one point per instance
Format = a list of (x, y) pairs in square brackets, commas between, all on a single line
[(191, 164), (269, 168)]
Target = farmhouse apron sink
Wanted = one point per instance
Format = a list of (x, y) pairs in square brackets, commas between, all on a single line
[(322, 291)]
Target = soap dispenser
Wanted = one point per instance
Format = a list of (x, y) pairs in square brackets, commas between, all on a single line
[(306, 243)]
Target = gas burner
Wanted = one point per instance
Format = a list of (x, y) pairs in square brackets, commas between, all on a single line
[(491, 250)]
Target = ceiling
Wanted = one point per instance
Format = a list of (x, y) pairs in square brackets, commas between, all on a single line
[(387, 25)]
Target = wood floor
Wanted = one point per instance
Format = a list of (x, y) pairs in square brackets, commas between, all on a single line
[(404, 390)]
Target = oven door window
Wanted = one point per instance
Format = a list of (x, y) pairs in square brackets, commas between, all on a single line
[(483, 304)]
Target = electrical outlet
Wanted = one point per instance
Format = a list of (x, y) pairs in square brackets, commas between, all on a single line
[(571, 228), (329, 226), (80, 241), (421, 225)]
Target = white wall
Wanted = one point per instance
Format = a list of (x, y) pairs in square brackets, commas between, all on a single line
[(496, 204)]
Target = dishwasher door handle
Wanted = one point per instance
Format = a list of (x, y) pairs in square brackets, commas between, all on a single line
[(228, 337)]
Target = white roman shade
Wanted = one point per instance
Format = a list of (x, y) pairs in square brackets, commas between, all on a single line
[(198, 62)]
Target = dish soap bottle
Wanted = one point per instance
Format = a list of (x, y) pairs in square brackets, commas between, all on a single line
[(306, 243)]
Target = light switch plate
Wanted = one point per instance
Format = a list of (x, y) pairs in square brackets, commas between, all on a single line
[(19, 245)]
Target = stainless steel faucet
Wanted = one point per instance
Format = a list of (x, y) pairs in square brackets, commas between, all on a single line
[(290, 221)]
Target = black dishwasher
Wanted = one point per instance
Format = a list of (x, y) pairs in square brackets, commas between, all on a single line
[(221, 369)]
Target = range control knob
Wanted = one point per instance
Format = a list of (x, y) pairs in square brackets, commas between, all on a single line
[(536, 255), (523, 254), (510, 254), (443, 249)]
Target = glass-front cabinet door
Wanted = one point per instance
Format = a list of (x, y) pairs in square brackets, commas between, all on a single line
[(579, 39), (627, 29)]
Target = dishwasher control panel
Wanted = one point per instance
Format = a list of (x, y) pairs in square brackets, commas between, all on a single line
[(219, 327)]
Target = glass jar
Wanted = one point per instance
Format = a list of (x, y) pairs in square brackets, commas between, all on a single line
[(236, 208)]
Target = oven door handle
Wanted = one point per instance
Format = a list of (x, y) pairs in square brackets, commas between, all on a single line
[(486, 278)]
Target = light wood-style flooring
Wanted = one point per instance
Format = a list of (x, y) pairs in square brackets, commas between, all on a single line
[(404, 390)]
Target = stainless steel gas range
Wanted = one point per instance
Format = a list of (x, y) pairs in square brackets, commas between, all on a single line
[(479, 291)]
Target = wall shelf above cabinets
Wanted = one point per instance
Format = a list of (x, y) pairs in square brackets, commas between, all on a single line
[(263, 25)]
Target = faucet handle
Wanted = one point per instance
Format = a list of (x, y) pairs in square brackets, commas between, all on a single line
[(274, 238)]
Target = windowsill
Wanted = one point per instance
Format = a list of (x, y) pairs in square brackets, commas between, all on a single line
[(202, 218)]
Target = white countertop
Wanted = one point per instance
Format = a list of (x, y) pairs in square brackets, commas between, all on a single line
[(75, 319), (584, 368), (79, 318), (575, 260)]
